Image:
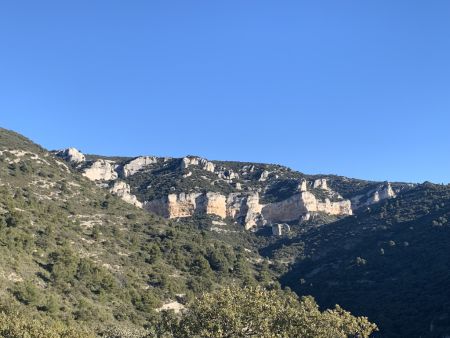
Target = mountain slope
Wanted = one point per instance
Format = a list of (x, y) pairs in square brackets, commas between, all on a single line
[(81, 239), (72, 250), (390, 262), (253, 195)]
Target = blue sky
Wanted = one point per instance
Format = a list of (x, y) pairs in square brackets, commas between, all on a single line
[(356, 88)]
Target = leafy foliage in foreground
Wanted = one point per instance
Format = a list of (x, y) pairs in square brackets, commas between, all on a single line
[(255, 312), (13, 324), (229, 312)]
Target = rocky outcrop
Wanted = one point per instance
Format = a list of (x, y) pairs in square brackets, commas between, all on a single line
[(288, 210), (227, 175), (185, 205), (246, 182), (101, 170), (214, 204), (264, 176), (246, 208), (306, 217), (137, 165), (182, 205), (382, 192), (320, 183), (198, 161), (72, 155), (298, 205), (280, 229), (385, 192), (122, 190), (175, 205), (253, 209), (303, 186)]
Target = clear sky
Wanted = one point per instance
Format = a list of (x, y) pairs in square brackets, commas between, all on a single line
[(356, 88)]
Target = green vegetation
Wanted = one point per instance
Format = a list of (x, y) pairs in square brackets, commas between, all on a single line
[(229, 312), (73, 252), (76, 260), (390, 263), (255, 312)]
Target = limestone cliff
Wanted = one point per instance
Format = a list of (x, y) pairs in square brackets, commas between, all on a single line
[(137, 165), (71, 155), (320, 183), (375, 195), (250, 194), (123, 190), (101, 170), (246, 208), (197, 161), (301, 204)]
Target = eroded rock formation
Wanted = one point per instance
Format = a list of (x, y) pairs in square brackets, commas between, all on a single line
[(373, 196), (298, 205), (246, 208), (101, 170), (123, 190), (320, 183), (137, 165), (203, 163), (72, 155), (242, 202)]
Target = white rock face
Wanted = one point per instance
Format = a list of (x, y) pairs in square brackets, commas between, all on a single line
[(71, 155), (303, 186), (264, 176), (298, 205), (253, 209), (320, 183), (175, 205), (203, 163), (385, 192), (138, 164), (376, 195), (101, 170), (280, 229), (277, 230), (182, 205), (305, 217), (246, 208), (189, 173), (235, 206), (227, 175), (213, 204), (175, 306), (122, 190), (289, 209)]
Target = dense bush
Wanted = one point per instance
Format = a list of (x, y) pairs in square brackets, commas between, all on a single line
[(16, 325), (255, 312)]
